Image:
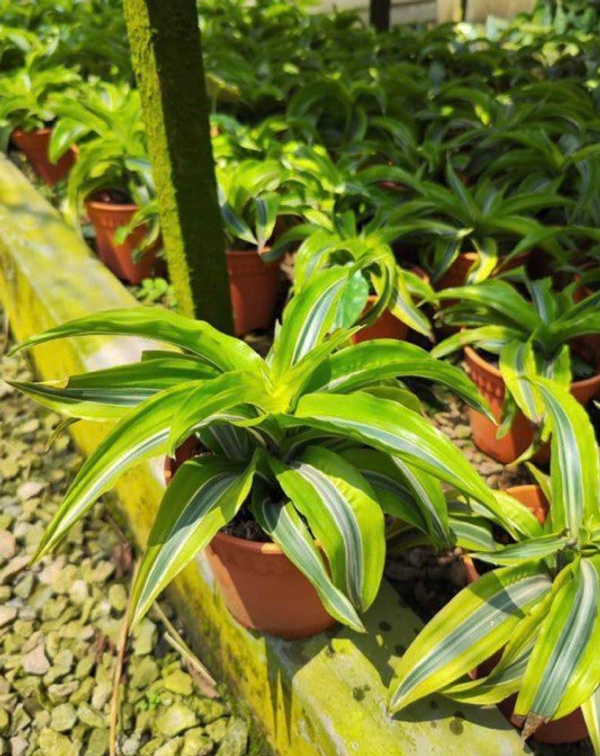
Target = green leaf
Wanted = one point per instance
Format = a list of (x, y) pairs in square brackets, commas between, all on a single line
[(513, 516), (467, 631), (216, 400), (141, 434), (472, 534), (94, 404), (534, 548), (563, 638), (542, 479), (360, 365), (203, 497), (404, 308), (307, 320), (405, 493), (591, 714), (267, 208), (518, 363), (286, 528), (501, 298), (392, 428), (221, 351), (109, 394), (353, 300), (505, 678), (586, 674), (343, 513), (492, 338), (575, 469)]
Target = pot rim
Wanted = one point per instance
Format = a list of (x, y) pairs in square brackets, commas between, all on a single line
[(266, 548), (18, 131), (486, 366), (247, 252), (124, 207)]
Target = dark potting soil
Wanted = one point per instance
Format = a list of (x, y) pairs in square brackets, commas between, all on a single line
[(112, 197), (244, 526)]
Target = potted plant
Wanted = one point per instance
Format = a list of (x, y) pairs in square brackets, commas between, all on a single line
[(530, 625), (112, 179), (250, 205), (385, 298), (307, 448), (504, 332), (28, 104), (491, 230)]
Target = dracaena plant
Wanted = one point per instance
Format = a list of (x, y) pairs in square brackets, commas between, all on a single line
[(485, 220), (250, 201), (317, 440), (539, 607), (535, 333), (335, 113), (106, 123), (28, 95), (338, 241)]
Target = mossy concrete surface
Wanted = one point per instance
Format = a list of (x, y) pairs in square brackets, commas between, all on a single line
[(325, 696)]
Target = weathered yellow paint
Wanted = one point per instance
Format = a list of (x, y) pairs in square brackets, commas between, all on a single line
[(322, 697)]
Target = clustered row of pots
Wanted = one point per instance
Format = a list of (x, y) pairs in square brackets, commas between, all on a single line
[(253, 284), (254, 287)]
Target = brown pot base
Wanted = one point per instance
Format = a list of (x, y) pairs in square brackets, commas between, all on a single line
[(34, 145), (253, 285), (262, 589), (107, 218), (491, 386)]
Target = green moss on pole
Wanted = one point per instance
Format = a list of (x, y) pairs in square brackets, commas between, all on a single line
[(167, 58)]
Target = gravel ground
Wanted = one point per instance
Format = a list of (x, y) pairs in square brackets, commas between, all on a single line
[(60, 622)]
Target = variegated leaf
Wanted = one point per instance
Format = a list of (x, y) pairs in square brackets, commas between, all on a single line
[(468, 630), (283, 524), (204, 495)]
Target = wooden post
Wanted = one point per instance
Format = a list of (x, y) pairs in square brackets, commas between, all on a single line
[(379, 14), (167, 59)]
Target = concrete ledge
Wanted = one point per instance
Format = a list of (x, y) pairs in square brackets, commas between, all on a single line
[(322, 697)]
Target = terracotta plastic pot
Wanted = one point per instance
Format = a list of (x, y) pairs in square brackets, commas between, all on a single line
[(457, 273), (491, 386), (34, 144), (264, 591), (107, 218), (261, 588), (387, 326), (254, 286), (569, 729)]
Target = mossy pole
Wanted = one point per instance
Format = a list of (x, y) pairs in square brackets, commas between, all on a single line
[(167, 59)]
